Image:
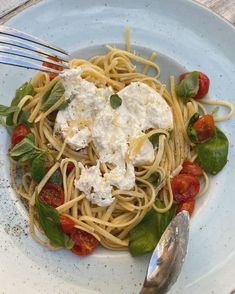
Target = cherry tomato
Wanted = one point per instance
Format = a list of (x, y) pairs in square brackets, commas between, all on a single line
[(67, 224), (191, 168), (184, 187), (52, 194), (70, 167), (204, 127), (19, 133), (204, 84), (53, 66), (85, 243), (187, 205)]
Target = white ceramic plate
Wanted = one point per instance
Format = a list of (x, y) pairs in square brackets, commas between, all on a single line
[(186, 35)]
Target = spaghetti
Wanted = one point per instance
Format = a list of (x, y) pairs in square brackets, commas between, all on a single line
[(110, 225)]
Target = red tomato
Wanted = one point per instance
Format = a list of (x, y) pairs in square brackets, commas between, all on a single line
[(204, 84), (191, 168), (52, 194), (67, 224), (53, 66), (205, 128), (70, 167), (187, 205), (85, 243), (184, 187), (19, 133)]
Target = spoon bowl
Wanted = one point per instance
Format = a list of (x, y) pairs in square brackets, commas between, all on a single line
[(168, 256)]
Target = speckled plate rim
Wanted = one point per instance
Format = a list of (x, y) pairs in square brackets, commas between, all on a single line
[(206, 42)]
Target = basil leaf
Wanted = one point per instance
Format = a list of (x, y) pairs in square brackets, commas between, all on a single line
[(155, 179), (24, 146), (52, 96), (25, 149), (154, 139), (188, 87), (145, 236), (56, 178), (212, 154), (38, 167), (63, 105), (5, 110), (23, 90), (50, 222), (192, 134), (115, 101)]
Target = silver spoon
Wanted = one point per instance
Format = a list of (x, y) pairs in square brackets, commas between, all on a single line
[(168, 256)]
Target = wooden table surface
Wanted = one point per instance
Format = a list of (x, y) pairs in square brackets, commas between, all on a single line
[(225, 8)]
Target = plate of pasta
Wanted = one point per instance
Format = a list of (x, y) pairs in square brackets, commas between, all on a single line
[(96, 161)]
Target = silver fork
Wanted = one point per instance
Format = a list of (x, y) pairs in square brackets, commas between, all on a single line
[(23, 54)]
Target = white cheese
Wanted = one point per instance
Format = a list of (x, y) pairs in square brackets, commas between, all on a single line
[(96, 188), (90, 117)]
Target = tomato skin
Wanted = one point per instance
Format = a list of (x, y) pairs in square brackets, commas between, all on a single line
[(191, 168), (52, 195), (85, 243), (187, 205), (184, 187), (53, 66), (204, 84), (66, 223), (19, 133), (70, 167), (205, 128)]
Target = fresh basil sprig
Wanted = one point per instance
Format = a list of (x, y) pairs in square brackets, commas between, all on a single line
[(5, 110), (25, 150), (56, 178), (38, 167), (115, 101), (145, 236), (188, 87), (23, 90), (52, 96), (212, 154), (192, 134), (50, 222)]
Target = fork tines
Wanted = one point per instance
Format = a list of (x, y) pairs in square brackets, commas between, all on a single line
[(19, 51)]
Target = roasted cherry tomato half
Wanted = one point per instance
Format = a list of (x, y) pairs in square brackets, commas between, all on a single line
[(191, 168), (204, 84), (52, 194), (184, 187), (187, 205), (85, 243), (53, 66), (19, 133), (67, 224), (205, 128)]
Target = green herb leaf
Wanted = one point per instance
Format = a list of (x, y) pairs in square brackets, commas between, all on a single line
[(38, 167), (52, 96), (192, 134), (23, 90), (213, 154), (188, 87), (115, 101), (25, 150), (50, 222), (5, 110), (145, 236), (63, 105), (154, 139), (56, 178), (155, 179)]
